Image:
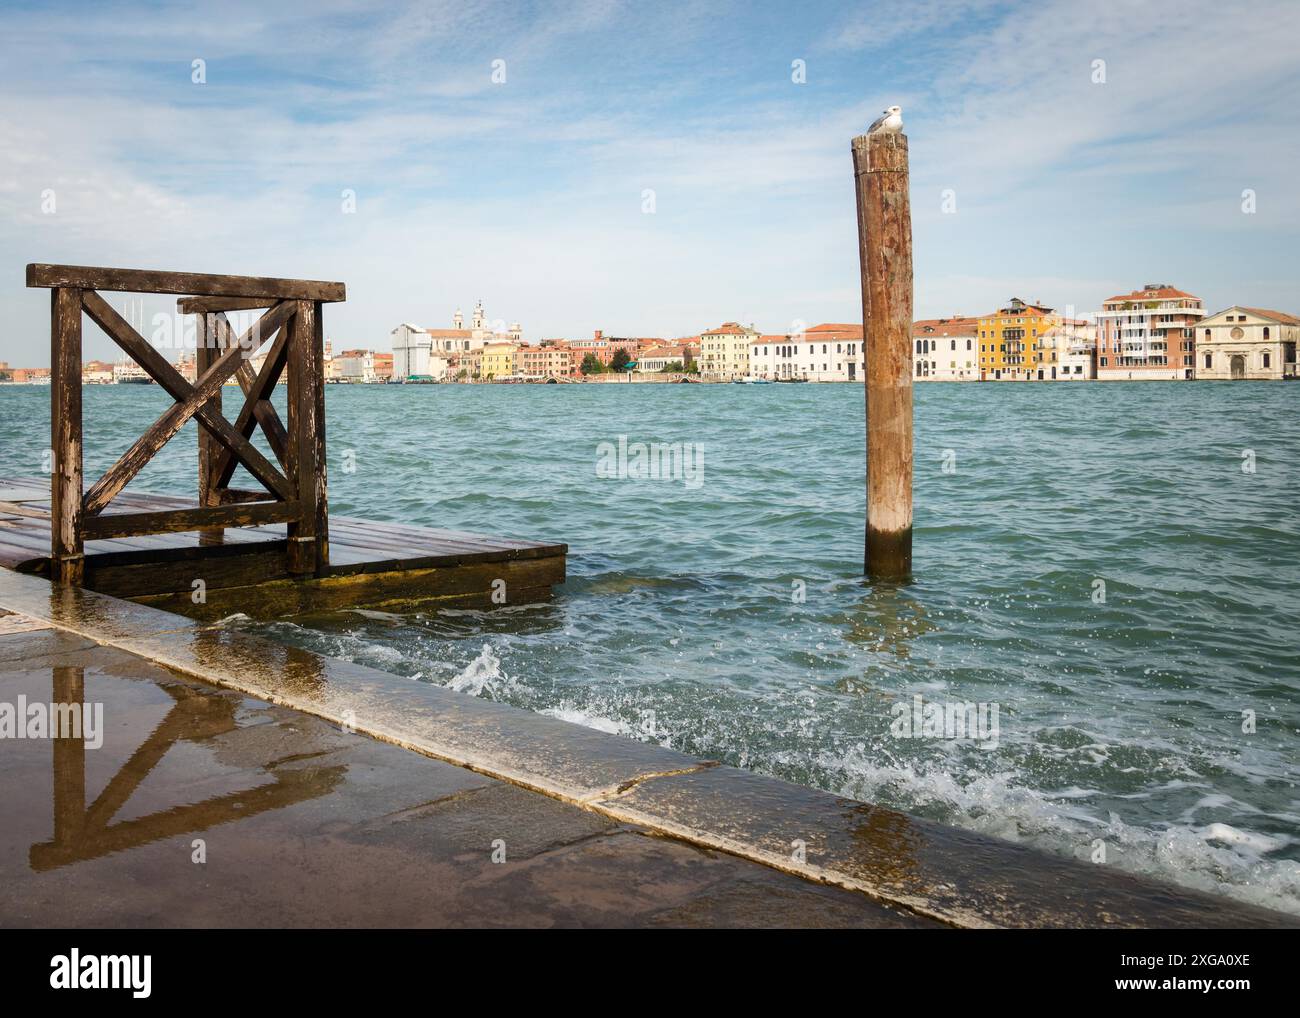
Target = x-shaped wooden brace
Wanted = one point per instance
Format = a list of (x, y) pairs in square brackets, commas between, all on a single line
[(257, 409), (191, 401)]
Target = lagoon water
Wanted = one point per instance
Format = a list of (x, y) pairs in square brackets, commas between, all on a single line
[(725, 615)]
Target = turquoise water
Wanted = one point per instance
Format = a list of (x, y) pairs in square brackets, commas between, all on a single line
[(1119, 723)]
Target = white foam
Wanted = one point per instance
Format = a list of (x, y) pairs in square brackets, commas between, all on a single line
[(483, 673), (577, 716)]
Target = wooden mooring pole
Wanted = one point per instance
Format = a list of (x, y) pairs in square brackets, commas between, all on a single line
[(885, 253)]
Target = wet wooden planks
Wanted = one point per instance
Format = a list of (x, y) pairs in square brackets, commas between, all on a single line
[(166, 563)]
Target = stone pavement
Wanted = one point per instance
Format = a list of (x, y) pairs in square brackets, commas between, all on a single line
[(205, 807)]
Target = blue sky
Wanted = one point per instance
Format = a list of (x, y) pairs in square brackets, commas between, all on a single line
[(528, 193)]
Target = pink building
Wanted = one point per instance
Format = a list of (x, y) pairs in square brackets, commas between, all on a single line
[(1148, 334)]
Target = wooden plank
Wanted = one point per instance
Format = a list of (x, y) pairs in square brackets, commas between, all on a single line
[(398, 590), (66, 509), (251, 565), (165, 521), (230, 496), (212, 305), (173, 419), (23, 492), (14, 555), (204, 284), (19, 509), (174, 384)]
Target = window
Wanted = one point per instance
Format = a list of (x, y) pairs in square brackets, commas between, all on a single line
[(1266, 358), (968, 344), (1207, 359), (1207, 334), (1266, 337)]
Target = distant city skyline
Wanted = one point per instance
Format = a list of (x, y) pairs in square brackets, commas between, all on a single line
[(648, 170)]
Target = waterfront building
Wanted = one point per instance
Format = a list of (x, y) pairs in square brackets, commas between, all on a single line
[(1074, 346), (379, 367), (724, 351), (97, 373), (1149, 334), (499, 360), (1241, 342), (412, 348), (469, 364), (350, 365), (604, 347), (413, 345), (452, 341), (552, 358), (653, 360), (828, 352), (1012, 342), (946, 349)]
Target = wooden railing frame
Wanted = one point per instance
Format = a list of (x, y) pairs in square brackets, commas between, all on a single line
[(295, 484)]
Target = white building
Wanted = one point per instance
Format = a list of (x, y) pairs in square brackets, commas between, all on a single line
[(1242, 342), (656, 359), (1074, 346), (824, 353), (412, 348), (946, 349)]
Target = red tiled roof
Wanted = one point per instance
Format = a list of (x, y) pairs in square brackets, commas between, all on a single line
[(1154, 293), (957, 325), (836, 327), (726, 329), (672, 352)]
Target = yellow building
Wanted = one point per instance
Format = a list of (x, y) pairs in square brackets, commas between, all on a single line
[(1014, 344), (499, 360)]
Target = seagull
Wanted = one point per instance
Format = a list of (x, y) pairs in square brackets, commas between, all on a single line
[(889, 122)]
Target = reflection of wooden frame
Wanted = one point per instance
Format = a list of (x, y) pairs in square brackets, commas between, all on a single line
[(82, 832), (295, 497)]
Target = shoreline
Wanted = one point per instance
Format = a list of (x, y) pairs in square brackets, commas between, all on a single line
[(927, 869)]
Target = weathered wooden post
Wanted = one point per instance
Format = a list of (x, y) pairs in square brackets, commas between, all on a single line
[(67, 561), (885, 253), (308, 535)]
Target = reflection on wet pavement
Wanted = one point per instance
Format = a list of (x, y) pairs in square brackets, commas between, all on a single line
[(205, 807)]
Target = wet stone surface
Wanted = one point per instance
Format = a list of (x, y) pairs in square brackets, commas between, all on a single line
[(957, 875), (539, 752), (189, 805)]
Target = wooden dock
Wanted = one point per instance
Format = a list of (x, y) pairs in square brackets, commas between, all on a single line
[(372, 563), (269, 551)]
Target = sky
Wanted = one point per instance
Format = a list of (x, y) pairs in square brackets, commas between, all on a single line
[(648, 169)]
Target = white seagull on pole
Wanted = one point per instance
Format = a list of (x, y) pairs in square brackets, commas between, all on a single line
[(889, 122)]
